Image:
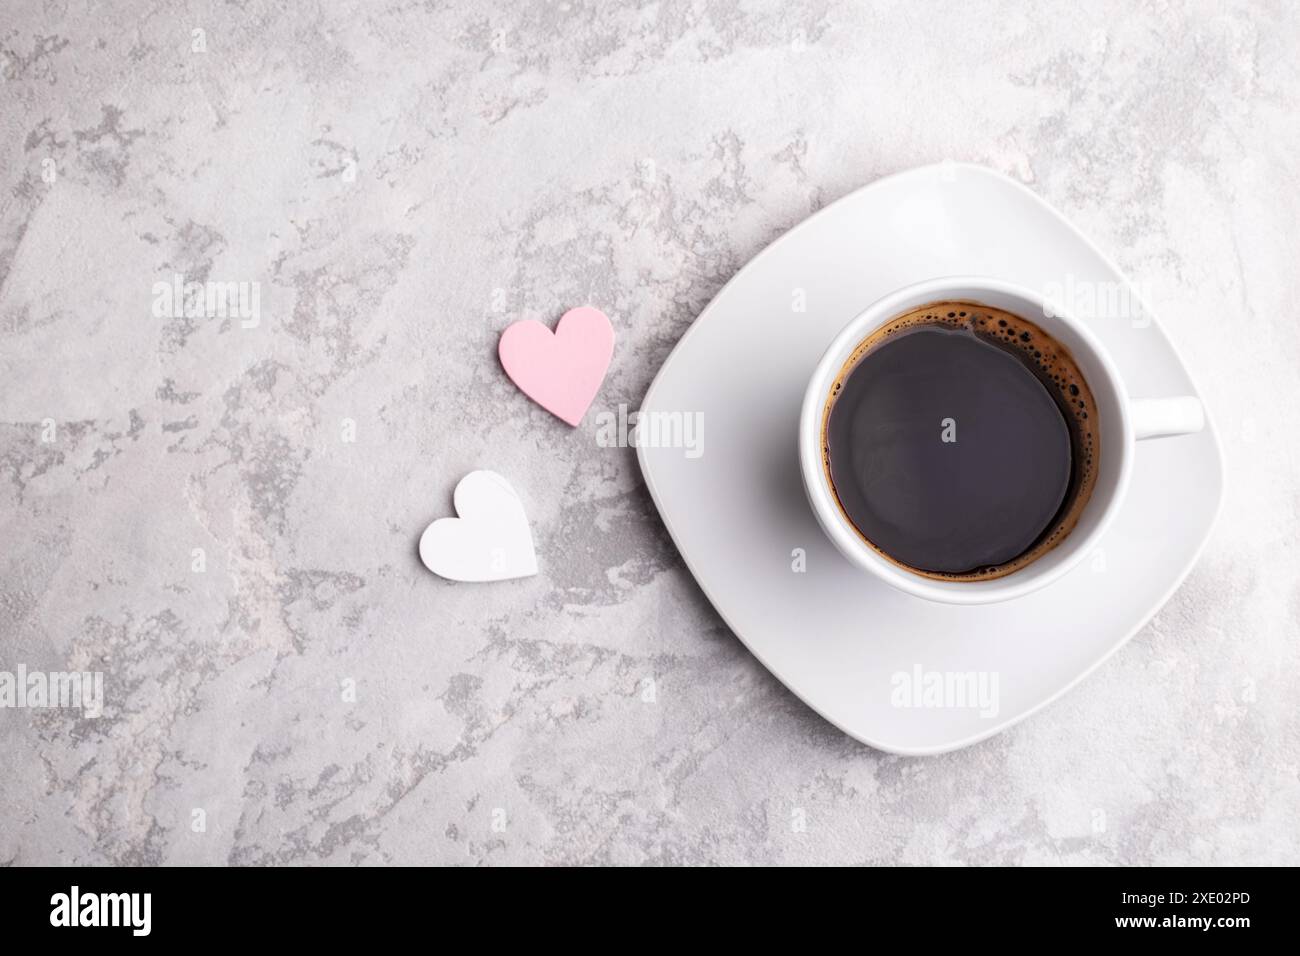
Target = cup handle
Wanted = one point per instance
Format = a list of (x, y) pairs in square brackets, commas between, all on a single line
[(1162, 417)]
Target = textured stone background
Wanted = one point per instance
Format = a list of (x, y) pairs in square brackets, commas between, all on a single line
[(405, 182)]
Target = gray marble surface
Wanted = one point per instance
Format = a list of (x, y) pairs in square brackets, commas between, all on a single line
[(400, 183)]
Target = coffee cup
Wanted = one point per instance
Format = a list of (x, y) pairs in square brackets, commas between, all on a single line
[(1112, 423)]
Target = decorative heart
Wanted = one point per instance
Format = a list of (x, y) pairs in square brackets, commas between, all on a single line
[(490, 541), (561, 372)]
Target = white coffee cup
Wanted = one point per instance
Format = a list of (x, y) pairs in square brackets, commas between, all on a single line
[(1121, 422)]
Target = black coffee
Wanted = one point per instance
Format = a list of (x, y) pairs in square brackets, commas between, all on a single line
[(959, 441)]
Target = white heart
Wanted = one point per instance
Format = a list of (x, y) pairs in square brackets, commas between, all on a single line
[(490, 541)]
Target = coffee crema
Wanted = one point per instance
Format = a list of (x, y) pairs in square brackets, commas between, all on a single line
[(960, 441)]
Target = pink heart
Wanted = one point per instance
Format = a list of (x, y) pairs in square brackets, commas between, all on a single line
[(560, 372)]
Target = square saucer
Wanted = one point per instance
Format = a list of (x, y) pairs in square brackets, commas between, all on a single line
[(843, 642)]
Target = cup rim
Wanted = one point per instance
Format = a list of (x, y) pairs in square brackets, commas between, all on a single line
[(846, 538)]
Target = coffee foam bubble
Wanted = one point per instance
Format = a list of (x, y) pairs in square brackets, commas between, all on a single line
[(1055, 368)]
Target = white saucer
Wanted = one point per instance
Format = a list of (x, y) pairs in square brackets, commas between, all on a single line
[(835, 636)]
